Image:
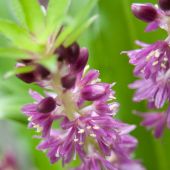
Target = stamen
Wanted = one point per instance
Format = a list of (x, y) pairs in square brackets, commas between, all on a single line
[(93, 135), (163, 65), (155, 63), (81, 131), (88, 127), (96, 127), (81, 143), (75, 140)]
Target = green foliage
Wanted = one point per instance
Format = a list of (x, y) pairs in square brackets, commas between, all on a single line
[(18, 35), (77, 24), (56, 13), (32, 15), (12, 53)]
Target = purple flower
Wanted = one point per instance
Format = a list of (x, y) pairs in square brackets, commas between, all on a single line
[(154, 16), (151, 59), (145, 12), (157, 93), (156, 121), (97, 162), (85, 107), (152, 66), (95, 91), (42, 121)]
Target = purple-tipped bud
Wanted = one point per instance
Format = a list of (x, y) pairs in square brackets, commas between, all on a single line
[(164, 4), (73, 53), (42, 71), (93, 92), (145, 12), (27, 77), (82, 60), (39, 73), (44, 3), (25, 61), (46, 105), (69, 54), (68, 81)]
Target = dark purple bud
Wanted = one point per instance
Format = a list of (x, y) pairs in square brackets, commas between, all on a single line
[(25, 61), (82, 61), (70, 54), (93, 92), (68, 81), (46, 105), (44, 3), (62, 53), (164, 4), (38, 74), (27, 77), (42, 71), (145, 12), (73, 53)]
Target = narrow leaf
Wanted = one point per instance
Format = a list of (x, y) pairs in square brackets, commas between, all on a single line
[(12, 53), (75, 34), (56, 13), (34, 16), (78, 21), (18, 35), (18, 12)]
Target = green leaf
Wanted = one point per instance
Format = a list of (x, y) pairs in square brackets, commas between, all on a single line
[(56, 13), (75, 34), (18, 35), (12, 53), (19, 12), (76, 23), (33, 15)]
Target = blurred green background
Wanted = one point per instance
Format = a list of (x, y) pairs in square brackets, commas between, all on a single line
[(115, 30)]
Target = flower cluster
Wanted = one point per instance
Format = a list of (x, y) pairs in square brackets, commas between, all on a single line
[(152, 66), (75, 114)]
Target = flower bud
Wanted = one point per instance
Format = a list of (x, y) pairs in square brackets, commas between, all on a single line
[(145, 12), (69, 54), (164, 4), (68, 81), (73, 53), (42, 71), (39, 73), (46, 105), (82, 61), (93, 92), (44, 3), (27, 77)]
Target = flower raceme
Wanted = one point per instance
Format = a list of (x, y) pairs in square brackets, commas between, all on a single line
[(84, 106), (152, 66)]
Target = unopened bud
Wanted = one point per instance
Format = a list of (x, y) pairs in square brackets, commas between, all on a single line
[(93, 92), (46, 105), (164, 4), (69, 54), (145, 12), (68, 81), (82, 60)]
